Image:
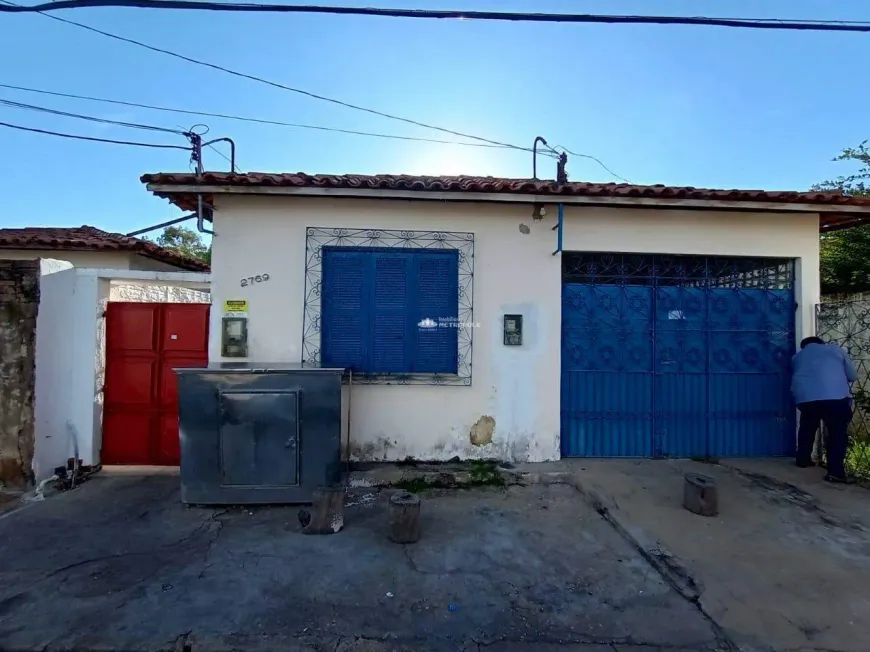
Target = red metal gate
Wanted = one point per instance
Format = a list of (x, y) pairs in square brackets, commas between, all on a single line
[(144, 342)]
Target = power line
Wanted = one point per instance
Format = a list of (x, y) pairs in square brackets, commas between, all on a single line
[(250, 119), (485, 141), (593, 158), (42, 109), (92, 138), (235, 167), (272, 83), (280, 123), (755, 23)]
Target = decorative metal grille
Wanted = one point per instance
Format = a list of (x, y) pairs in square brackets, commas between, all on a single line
[(668, 355), (847, 323), (684, 271), (318, 238)]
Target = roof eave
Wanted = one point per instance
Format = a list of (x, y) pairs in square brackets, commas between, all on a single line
[(830, 222), (171, 191), (185, 265), (182, 264)]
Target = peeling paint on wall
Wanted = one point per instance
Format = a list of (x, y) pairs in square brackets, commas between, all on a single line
[(371, 451), (481, 432)]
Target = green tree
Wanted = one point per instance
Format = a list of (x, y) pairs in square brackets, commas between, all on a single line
[(184, 241), (845, 255)]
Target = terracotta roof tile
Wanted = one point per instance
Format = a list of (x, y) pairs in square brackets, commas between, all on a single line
[(497, 185), (89, 238)]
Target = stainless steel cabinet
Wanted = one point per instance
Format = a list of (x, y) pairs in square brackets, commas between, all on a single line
[(258, 433)]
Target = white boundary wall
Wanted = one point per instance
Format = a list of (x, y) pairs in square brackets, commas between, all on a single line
[(70, 350)]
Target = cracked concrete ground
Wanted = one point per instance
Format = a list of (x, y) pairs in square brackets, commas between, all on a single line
[(785, 565), (120, 564)]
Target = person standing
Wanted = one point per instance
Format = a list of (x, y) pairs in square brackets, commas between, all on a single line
[(821, 379)]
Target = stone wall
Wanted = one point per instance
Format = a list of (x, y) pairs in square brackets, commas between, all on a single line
[(19, 302)]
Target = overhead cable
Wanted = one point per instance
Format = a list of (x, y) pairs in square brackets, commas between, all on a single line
[(132, 125), (92, 138), (593, 158), (513, 16), (235, 167), (264, 121), (485, 141), (226, 116), (274, 84)]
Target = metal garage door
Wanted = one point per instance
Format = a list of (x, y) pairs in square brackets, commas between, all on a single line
[(676, 356), (144, 343)]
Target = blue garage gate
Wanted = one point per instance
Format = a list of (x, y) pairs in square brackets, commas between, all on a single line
[(676, 356)]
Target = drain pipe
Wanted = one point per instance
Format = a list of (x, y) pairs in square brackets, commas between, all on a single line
[(200, 219)]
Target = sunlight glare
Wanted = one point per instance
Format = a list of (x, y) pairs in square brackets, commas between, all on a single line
[(450, 160)]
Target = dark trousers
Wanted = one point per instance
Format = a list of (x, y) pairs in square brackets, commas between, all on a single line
[(836, 415)]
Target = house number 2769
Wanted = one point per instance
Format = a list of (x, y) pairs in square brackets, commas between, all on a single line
[(259, 278)]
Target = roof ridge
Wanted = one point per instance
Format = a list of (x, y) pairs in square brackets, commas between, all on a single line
[(90, 229), (111, 234)]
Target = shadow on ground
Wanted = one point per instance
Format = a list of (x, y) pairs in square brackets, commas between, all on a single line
[(121, 564)]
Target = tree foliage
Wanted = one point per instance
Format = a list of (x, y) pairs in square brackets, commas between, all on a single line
[(845, 255), (184, 241)]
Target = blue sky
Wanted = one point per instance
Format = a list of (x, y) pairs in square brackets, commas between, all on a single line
[(697, 106)]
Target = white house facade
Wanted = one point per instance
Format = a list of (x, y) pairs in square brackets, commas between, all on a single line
[(617, 321)]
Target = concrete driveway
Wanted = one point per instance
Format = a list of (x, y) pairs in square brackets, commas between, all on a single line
[(120, 564), (784, 566)]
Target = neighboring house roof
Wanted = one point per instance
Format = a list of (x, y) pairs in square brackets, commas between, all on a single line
[(89, 238), (167, 185)]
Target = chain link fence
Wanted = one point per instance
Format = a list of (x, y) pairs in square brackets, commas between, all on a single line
[(847, 322)]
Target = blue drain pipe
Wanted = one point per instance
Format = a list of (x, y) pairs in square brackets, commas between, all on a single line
[(559, 227)]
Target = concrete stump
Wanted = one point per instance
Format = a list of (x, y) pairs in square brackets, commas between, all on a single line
[(700, 494), (404, 518), (327, 511)]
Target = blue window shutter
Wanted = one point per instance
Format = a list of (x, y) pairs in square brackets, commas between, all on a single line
[(391, 335), (344, 309), (436, 298), (373, 301)]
